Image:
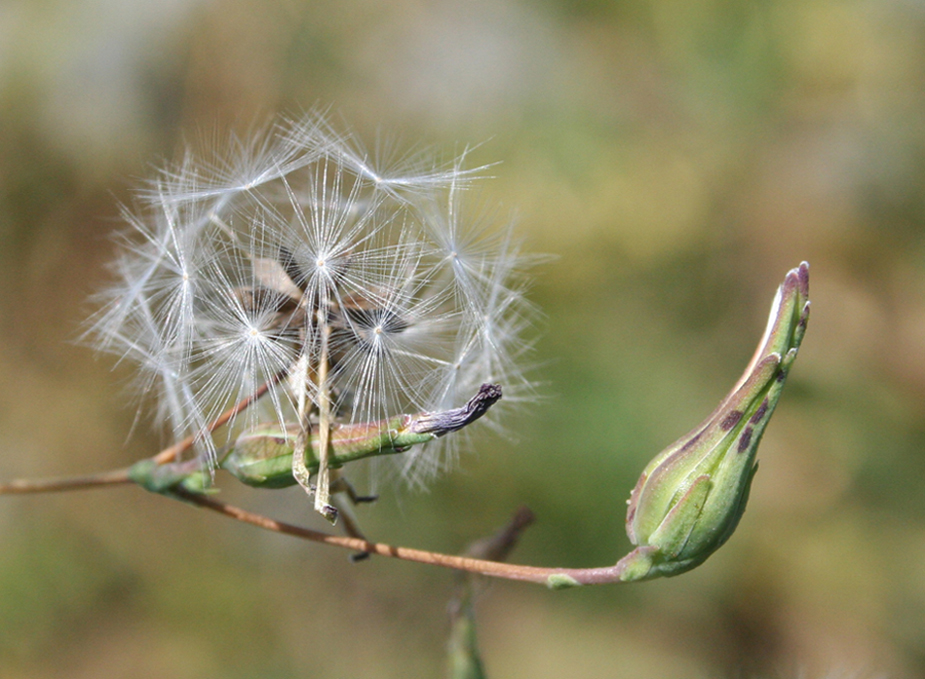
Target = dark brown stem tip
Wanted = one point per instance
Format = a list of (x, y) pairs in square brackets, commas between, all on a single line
[(523, 518), (478, 405), (448, 421)]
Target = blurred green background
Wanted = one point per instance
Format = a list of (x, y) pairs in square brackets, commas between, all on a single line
[(678, 158)]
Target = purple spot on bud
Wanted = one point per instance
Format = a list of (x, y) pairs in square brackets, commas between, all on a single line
[(693, 440), (731, 420), (745, 440), (762, 409)]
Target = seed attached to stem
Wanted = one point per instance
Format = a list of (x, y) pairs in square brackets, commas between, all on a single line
[(263, 457)]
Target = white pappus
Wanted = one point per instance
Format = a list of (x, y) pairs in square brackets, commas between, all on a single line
[(360, 291)]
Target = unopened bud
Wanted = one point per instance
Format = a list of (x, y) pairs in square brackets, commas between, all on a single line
[(262, 457), (690, 498)]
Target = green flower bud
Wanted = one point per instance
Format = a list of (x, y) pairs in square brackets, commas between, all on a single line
[(690, 498)]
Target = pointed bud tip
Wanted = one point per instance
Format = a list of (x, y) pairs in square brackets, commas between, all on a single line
[(804, 278), (797, 280)]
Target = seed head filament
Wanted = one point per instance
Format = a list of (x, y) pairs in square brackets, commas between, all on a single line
[(322, 492), (361, 279)]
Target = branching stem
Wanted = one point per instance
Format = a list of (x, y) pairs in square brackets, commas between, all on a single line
[(552, 577)]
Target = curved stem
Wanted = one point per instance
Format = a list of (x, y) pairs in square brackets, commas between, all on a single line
[(552, 577)]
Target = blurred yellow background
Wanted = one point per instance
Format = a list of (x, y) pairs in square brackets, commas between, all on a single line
[(678, 158)]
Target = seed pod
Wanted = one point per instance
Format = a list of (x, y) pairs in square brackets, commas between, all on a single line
[(690, 498), (262, 457)]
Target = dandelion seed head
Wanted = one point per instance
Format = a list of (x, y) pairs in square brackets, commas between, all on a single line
[(297, 246)]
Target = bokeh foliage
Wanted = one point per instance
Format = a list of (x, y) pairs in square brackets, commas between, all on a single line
[(678, 158)]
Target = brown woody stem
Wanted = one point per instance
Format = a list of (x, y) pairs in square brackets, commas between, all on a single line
[(22, 486), (552, 577)]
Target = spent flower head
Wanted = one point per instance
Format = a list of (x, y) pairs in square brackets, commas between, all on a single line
[(358, 292)]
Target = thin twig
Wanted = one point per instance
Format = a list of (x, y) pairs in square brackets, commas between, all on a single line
[(553, 577), (117, 476), (22, 486), (171, 453), (463, 656), (498, 547)]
